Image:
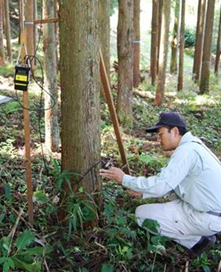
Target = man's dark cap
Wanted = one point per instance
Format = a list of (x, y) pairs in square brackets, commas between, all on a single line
[(168, 119)]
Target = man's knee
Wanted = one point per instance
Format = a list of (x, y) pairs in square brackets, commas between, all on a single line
[(142, 213)]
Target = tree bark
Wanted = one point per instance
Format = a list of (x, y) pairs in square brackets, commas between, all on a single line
[(199, 39), (181, 47), (136, 44), (174, 43), (218, 46), (163, 53), (21, 19), (2, 54), (160, 9), (80, 93), (205, 74), (104, 31), (29, 26), (52, 134), (125, 62), (8, 30), (154, 41)]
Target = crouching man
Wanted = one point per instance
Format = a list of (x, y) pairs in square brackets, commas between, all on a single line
[(194, 174)]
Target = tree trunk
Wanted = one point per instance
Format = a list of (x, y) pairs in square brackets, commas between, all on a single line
[(136, 44), (21, 19), (154, 41), (218, 46), (163, 53), (205, 74), (80, 94), (2, 54), (29, 26), (160, 9), (181, 47), (52, 137), (174, 43), (199, 39), (104, 31), (125, 62), (8, 30)]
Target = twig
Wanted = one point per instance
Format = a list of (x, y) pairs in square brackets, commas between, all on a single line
[(219, 267), (12, 233), (187, 266)]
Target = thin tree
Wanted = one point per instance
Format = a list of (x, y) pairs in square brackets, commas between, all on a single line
[(154, 41), (8, 30), (181, 47), (21, 18), (174, 43), (160, 9), (161, 78), (218, 46), (2, 54), (205, 74), (104, 31), (199, 39), (125, 62), (136, 43), (29, 26), (80, 95), (52, 134)]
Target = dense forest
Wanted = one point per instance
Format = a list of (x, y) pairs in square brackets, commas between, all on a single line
[(80, 81)]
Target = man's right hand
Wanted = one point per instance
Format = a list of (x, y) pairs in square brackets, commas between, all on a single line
[(113, 173)]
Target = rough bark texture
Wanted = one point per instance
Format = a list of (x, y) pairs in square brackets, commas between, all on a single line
[(181, 47), (2, 55), (125, 62), (160, 9), (80, 92), (199, 39), (218, 46), (136, 44), (104, 31), (205, 73), (154, 41), (29, 27), (161, 78), (52, 134), (21, 19), (174, 43), (8, 30)]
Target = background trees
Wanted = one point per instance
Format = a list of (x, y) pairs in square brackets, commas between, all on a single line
[(125, 61)]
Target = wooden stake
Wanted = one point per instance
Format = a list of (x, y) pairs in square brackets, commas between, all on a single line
[(27, 140), (28, 157), (109, 99), (46, 20)]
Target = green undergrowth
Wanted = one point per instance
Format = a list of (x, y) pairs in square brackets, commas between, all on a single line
[(116, 243)]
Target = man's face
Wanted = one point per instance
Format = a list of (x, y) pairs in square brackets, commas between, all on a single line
[(168, 139)]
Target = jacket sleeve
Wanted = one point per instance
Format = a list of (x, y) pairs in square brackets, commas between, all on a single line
[(180, 165)]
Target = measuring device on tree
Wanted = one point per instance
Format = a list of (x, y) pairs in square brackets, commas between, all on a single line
[(22, 77), (22, 73)]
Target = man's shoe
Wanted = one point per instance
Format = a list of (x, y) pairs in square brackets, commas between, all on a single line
[(205, 243)]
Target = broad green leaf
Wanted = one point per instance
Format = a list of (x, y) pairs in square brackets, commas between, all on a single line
[(24, 240), (6, 266), (7, 189), (40, 197), (107, 268), (2, 260)]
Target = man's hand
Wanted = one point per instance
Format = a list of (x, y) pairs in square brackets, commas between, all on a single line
[(113, 173), (133, 193)]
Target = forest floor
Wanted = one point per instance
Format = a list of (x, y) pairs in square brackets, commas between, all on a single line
[(117, 244)]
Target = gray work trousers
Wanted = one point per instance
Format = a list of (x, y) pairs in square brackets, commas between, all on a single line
[(179, 221)]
